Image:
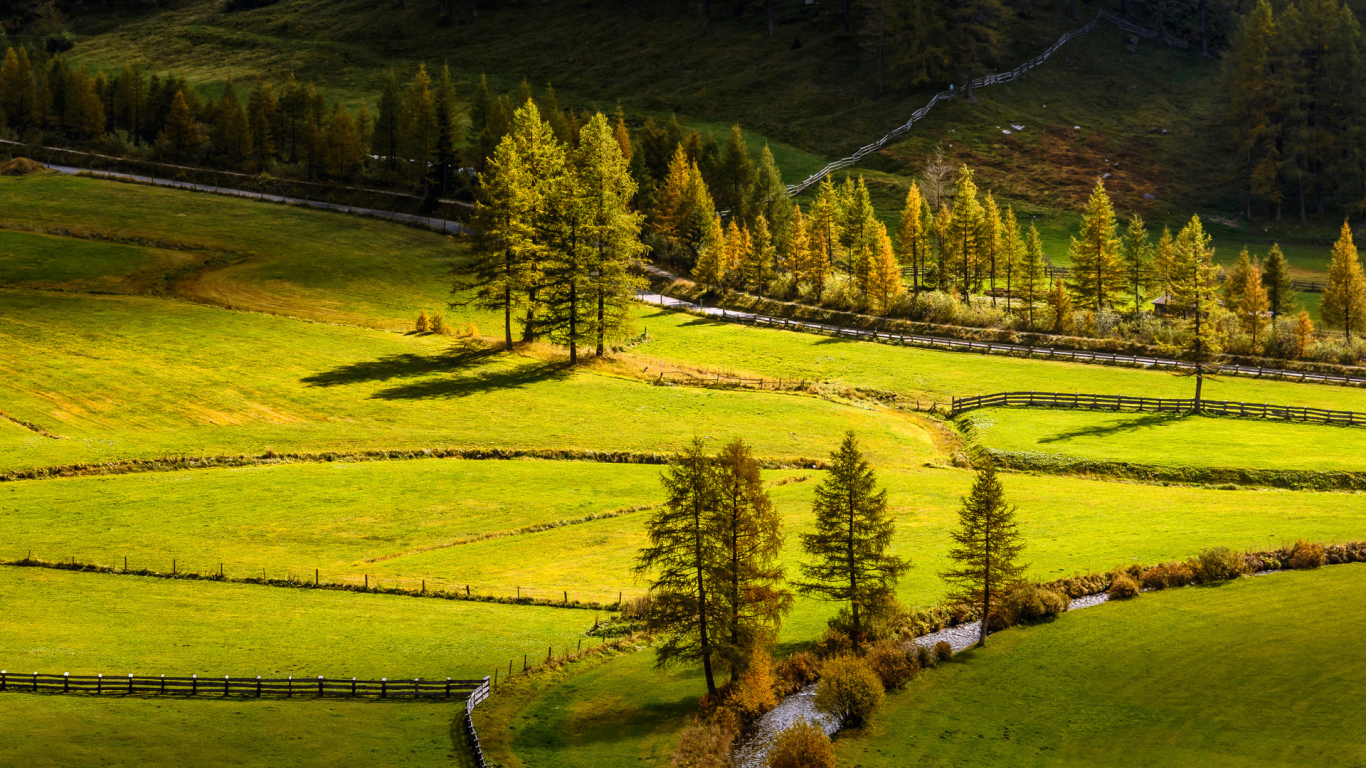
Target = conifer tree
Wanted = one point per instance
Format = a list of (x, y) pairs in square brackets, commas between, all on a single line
[(1344, 301), (681, 561), (760, 257), (1164, 261), (261, 118), (858, 226), (1235, 282), (750, 576), (1253, 305), (737, 246), (735, 177), (991, 241), (444, 161), (676, 200), (1012, 253), (1304, 333), (885, 279), (83, 108), (1097, 275), (768, 197), (1138, 260), (1033, 271), (613, 228), (824, 233), (943, 264), (1060, 307), (418, 132), (1195, 295), (18, 89), (912, 234), (293, 116), (180, 136), (389, 123), (797, 250), (963, 237), (1276, 278), (232, 129), (853, 530), (711, 255), (987, 547), (345, 152)]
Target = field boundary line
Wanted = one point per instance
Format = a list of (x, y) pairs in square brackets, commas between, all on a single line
[(228, 461), (1176, 405), (255, 687), (30, 426), (1103, 470)]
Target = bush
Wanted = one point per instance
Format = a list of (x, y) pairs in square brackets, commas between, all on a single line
[(881, 619), (1306, 555), (59, 43), (796, 672), (423, 324), (439, 325), (704, 744), (849, 689), (943, 651), (1218, 564), (804, 745), (753, 695), (1122, 587), (833, 643), (1167, 575), (1030, 601), (925, 656), (893, 663)]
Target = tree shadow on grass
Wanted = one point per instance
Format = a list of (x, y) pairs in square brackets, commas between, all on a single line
[(465, 369), (1119, 427), (462, 355), (467, 383)]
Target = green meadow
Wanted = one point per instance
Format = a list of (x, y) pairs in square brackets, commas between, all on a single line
[(1263, 671)]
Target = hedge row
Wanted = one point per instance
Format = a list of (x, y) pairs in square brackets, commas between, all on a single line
[(269, 458), (30, 562), (1293, 479)]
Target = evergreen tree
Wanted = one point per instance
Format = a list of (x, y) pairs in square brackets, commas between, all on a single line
[(912, 235), (1344, 301), (963, 235), (1138, 260), (797, 250), (1194, 295), (18, 90), (481, 103), (749, 533), (1235, 283), (293, 115), (736, 177), (675, 211), (1253, 305), (389, 123), (261, 118), (761, 257), (181, 135), (681, 561), (858, 227), (768, 197), (1097, 275), (444, 160), (711, 255), (884, 282), (853, 530), (987, 547), (419, 130), (1279, 287), (1164, 261), (84, 112), (991, 242), (1060, 307), (232, 129), (345, 152), (1304, 333), (1012, 253), (824, 233), (1033, 271)]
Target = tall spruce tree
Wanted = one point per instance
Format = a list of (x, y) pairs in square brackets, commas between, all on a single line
[(735, 177), (681, 561), (748, 571), (1012, 253), (1138, 260), (1280, 289), (389, 123), (1195, 296), (853, 530), (987, 547), (963, 235), (1344, 301), (1097, 274)]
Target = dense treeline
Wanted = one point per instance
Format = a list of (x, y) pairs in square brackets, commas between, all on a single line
[(1296, 75)]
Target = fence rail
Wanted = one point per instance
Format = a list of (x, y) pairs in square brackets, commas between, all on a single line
[(981, 82), (1307, 286), (1155, 405), (316, 687), (720, 379)]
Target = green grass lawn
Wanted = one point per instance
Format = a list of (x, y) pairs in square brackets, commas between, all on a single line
[(129, 376), (43, 730), (1172, 439), (88, 623), (1264, 671)]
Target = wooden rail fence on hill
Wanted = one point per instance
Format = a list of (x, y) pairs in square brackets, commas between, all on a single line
[(1155, 405), (316, 687)]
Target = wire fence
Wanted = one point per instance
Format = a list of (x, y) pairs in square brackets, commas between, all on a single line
[(1156, 405), (981, 82)]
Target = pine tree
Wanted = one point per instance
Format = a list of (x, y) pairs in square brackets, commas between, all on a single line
[(1097, 275), (1253, 305), (681, 561), (84, 112), (293, 116), (1195, 296), (1033, 270), (180, 136), (128, 107), (824, 232), (737, 246), (613, 228), (1235, 282), (760, 257), (853, 530), (1138, 260), (344, 149), (768, 197), (736, 177), (1164, 261), (18, 90), (991, 242), (797, 250), (261, 118), (858, 227), (444, 160), (675, 201), (1060, 307), (912, 234), (1304, 333), (389, 123), (418, 132), (884, 283), (1279, 287), (963, 236), (232, 129), (1344, 301), (987, 547), (749, 533), (1012, 253), (711, 255)]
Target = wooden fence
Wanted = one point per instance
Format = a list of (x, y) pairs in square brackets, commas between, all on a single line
[(255, 687), (1307, 286), (981, 82), (723, 380), (1156, 405)]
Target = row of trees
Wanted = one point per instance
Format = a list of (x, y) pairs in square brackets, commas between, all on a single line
[(1296, 75), (555, 234), (717, 591)]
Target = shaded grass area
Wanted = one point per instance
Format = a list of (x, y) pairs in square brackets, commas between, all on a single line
[(43, 731), (1171, 439), (126, 377), (84, 623), (939, 375), (41, 261), (1263, 671)]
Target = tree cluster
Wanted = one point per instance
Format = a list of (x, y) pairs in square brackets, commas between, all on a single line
[(1296, 76)]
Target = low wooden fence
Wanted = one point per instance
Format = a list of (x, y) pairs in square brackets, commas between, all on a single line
[(722, 380), (256, 687), (1156, 405), (476, 697)]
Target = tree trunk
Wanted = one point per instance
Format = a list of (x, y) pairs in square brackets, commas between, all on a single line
[(507, 318), (602, 322), (853, 577), (573, 323), (702, 601), (986, 595)]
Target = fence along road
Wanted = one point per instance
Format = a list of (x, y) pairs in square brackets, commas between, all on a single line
[(320, 687), (1155, 405), (990, 347)]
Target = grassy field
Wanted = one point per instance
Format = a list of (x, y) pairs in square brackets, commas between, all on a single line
[(1263, 671), (87, 623), (42, 731), (1171, 439)]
